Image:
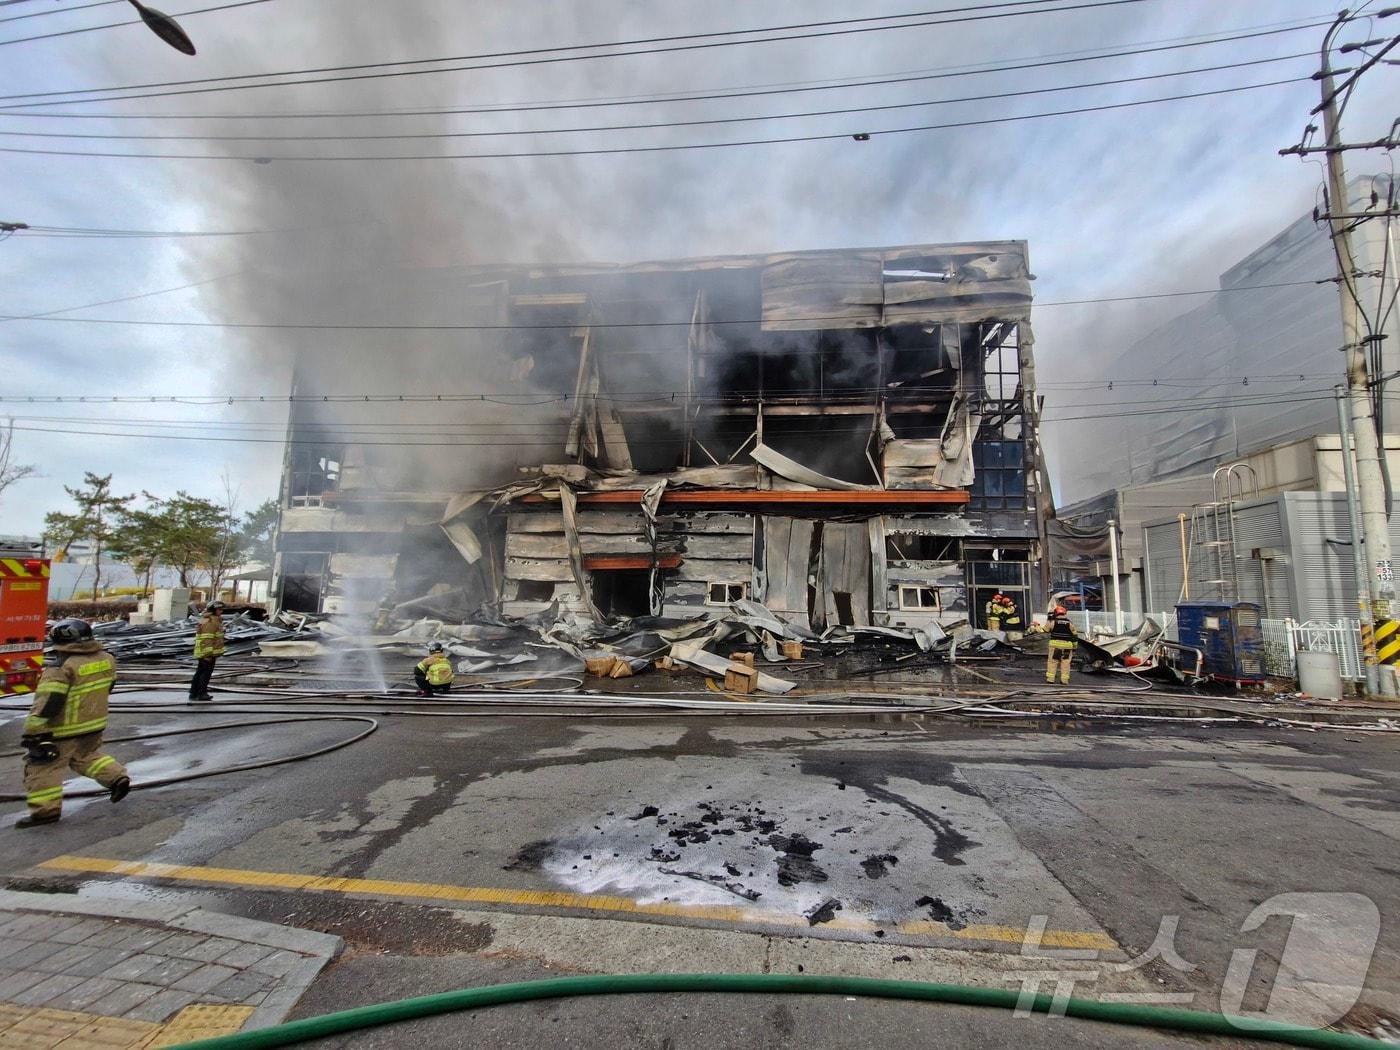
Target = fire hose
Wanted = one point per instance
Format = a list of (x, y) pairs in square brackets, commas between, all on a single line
[(1132, 1014)]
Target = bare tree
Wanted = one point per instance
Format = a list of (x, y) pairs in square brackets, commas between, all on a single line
[(229, 549), (10, 471)]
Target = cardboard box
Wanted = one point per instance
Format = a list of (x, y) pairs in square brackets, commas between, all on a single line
[(620, 669), (792, 650), (742, 658), (740, 679), (599, 666)]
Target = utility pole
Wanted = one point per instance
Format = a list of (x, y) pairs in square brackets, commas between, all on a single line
[(1370, 481)]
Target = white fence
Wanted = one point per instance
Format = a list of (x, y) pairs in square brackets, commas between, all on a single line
[(1282, 639)]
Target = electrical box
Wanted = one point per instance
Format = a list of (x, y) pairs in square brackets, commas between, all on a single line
[(170, 603), (1229, 636), (24, 612)]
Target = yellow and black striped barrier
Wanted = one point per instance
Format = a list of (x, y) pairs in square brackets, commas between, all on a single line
[(1387, 642)]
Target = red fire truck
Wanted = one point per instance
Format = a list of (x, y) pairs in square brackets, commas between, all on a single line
[(24, 607)]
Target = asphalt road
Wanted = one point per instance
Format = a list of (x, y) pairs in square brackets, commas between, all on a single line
[(494, 848)]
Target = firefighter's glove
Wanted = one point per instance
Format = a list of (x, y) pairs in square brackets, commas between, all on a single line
[(40, 748)]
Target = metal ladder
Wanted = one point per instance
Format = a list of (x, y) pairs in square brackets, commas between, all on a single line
[(1213, 528)]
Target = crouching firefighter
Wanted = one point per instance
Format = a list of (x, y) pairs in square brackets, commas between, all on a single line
[(434, 672), (1063, 642), (64, 728)]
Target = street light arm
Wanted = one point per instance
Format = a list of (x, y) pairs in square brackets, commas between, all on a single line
[(165, 27)]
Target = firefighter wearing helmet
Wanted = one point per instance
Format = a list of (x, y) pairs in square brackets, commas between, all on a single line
[(1063, 642), (434, 672), (208, 647), (64, 727)]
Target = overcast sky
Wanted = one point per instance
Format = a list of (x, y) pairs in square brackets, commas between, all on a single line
[(1154, 198)]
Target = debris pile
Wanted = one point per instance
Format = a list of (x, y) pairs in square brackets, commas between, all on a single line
[(174, 639)]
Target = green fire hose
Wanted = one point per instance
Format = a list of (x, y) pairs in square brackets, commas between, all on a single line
[(769, 984)]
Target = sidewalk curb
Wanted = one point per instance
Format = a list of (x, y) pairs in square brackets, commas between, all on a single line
[(319, 948)]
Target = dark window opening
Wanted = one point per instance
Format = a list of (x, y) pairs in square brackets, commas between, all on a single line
[(622, 592), (315, 471), (845, 614), (303, 577), (724, 593), (910, 546), (534, 590)]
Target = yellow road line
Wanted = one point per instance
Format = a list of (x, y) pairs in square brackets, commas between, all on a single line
[(140, 869)]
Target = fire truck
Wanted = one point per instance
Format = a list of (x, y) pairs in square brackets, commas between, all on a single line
[(24, 608)]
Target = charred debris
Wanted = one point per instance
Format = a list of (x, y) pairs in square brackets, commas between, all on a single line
[(807, 446)]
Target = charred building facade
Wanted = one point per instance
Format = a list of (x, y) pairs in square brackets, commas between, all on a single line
[(848, 437)]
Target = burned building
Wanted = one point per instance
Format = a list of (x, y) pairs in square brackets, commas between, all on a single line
[(847, 436)]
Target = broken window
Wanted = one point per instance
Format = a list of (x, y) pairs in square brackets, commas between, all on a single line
[(303, 579), (315, 471), (534, 590), (999, 478), (622, 592), (913, 597), (724, 593), (912, 546)]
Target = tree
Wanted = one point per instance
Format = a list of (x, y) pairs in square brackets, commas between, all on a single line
[(258, 531), (10, 471), (138, 540), (189, 531), (97, 513), (228, 551)]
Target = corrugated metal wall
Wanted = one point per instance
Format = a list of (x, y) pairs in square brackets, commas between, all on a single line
[(1294, 554)]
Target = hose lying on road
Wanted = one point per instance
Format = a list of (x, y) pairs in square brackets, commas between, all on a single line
[(179, 778), (768, 984)]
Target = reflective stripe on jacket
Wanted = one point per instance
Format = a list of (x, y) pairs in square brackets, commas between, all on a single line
[(436, 669), (71, 699), (209, 636), (1062, 634)]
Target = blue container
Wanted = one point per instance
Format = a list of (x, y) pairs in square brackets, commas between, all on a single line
[(1228, 634)]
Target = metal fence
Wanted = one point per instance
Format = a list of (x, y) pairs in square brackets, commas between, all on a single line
[(1283, 639), (1342, 638)]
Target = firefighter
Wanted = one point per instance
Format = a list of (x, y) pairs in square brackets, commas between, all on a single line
[(1063, 642), (434, 672), (208, 647), (1002, 614), (64, 727)]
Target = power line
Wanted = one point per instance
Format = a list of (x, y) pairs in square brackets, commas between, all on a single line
[(1062, 58), (334, 326), (525, 400), (122, 299), (53, 11), (656, 125), (81, 231), (265, 159), (537, 56), (127, 22), (499, 443), (459, 401)]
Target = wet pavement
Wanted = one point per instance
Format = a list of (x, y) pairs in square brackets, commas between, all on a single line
[(609, 845)]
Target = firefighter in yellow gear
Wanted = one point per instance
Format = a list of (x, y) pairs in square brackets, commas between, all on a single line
[(64, 727), (434, 672), (208, 647), (1063, 642), (1002, 614)]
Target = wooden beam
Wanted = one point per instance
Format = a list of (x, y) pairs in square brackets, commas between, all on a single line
[(631, 561)]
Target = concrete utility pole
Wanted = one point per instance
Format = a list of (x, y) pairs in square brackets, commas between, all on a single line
[(1369, 479), (1358, 552)]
